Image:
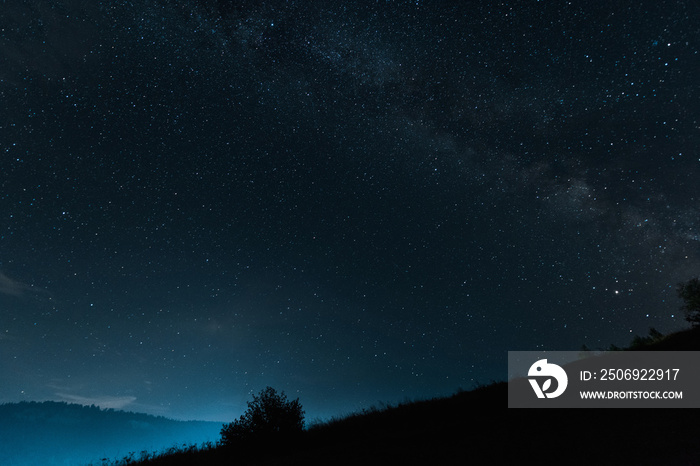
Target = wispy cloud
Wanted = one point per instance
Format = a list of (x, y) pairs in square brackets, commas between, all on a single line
[(104, 402), (12, 287)]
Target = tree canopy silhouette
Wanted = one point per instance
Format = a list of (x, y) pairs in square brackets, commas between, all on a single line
[(689, 292), (269, 414)]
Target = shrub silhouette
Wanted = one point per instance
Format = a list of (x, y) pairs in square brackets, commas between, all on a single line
[(269, 415), (689, 292), (642, 342)]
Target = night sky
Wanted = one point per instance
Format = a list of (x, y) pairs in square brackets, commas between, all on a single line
[(352, 202)]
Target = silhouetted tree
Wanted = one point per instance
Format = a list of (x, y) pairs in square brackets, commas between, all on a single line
[(269, 414), (689, 292), (655, 334), (641, 342)]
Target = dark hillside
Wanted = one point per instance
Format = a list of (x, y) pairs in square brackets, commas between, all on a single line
[(423, 432), (685, 340), (476, 427)]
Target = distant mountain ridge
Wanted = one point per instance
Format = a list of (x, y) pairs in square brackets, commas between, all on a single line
[(57, 433)]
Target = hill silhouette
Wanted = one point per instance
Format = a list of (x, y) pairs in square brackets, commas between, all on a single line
[(57, 433), (684, 340), (476, 427)]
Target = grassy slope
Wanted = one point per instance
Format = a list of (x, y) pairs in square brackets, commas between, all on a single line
[(476, 427), (685, 340)]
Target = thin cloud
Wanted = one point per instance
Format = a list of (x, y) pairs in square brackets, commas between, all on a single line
[(104, 402), (12, 287)]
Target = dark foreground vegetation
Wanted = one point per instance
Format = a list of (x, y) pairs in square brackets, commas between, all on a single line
[(476, 427), (425, 432)]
